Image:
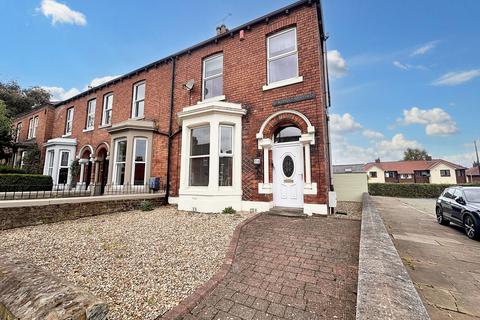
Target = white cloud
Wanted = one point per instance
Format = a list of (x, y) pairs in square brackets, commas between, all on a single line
[(437, 121), (406, 66), (343, 123), (372, 134), (337, 66), (425, 48), (60, 94), (456, 78), (464, 159), (61, 13), (393, 149), (98, 81), (400, 65)]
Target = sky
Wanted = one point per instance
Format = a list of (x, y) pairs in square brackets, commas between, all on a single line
[(402, 73)]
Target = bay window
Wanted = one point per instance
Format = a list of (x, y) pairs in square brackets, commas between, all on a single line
[(107, 109), (282, 56), (212, 77), (92, 104), (64, 167), (120, 162), (69, 122), (225, 172), (138, 100), (50, 157), (139, 161), (199, 156)]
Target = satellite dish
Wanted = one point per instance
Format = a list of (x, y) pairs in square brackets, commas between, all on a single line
[(189, 85)]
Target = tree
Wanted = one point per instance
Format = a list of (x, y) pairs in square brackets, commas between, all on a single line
[(31, 161), (6, 137), (20, 100), (416, 154)]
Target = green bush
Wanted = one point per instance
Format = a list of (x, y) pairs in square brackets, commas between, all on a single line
[(229, 210), (25, 182), (7, 169), (407, 190), (146, 205)]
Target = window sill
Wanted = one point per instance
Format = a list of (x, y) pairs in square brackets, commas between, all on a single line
[(282, 83), (137, 118), (66, 135), (87, 130), (214, 99), (103, 126)]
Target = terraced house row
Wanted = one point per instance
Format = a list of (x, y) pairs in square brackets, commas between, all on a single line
[(238, 120)]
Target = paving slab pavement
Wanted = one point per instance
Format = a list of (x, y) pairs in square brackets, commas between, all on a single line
[(441, 261)]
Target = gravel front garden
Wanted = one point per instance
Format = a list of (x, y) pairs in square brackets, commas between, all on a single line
[(141, 263)]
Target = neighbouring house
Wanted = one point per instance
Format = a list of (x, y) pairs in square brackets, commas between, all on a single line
[(31, 129), (422, 171), (350, 182), (237, 120), (473, 174)]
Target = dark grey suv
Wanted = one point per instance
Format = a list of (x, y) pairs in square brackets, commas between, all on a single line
[(461, 206)]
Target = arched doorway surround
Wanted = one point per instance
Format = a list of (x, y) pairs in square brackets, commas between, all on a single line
[(265, 140)]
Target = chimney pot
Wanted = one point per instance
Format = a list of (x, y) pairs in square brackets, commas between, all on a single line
[(222, 29)]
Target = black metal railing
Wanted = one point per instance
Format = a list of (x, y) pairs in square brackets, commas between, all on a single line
[(16, 192)]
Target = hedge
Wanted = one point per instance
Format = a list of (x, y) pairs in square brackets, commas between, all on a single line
[(408, 190), (25, 182), (7, 169)]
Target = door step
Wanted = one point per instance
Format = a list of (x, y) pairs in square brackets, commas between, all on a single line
[(287, 212)]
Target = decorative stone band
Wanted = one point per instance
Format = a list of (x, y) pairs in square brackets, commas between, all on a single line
[(28, 292), (385, 290)]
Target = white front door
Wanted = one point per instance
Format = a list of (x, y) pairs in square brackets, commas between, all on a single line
[(288, 175)]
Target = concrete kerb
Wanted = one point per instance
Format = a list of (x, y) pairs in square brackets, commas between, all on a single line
[(385, 290)]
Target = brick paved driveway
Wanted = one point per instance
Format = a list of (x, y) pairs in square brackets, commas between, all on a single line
[(289, 268)]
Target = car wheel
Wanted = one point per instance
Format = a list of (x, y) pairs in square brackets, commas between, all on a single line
[(471, 227), (440, 218)]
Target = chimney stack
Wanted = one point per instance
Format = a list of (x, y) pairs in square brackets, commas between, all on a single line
[(377, 160), (222, 29)]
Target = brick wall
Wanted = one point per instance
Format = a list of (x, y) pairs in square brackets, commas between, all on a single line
[(245, 73)]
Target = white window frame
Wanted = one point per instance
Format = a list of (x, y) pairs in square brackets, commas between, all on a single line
[(134, 162), (190, 157), (18, 130), (91, 107), (30, 128), (50, 163), (69, 121), (116, 162), (205, 78), (22, 159), (136, 101), (226, 155), (60, 166), (294, 52), (106, 109)]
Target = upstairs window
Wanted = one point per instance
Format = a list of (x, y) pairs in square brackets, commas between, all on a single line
[(200, 156), (30, 129), (138, 100), (92, 105), (282, 56), (107, 109), (69, 121), (35, 126), (213, 77)]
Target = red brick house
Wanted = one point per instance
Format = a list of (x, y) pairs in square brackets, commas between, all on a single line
[(473, 174), (238, 120)]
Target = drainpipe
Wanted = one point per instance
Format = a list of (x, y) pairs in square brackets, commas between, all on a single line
[(170, 135)]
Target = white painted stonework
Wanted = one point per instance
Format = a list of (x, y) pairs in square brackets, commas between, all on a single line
[(59, 145)]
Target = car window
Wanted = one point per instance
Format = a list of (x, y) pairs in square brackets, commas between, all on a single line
[(448, 193), (472, 195), (456, 193)]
